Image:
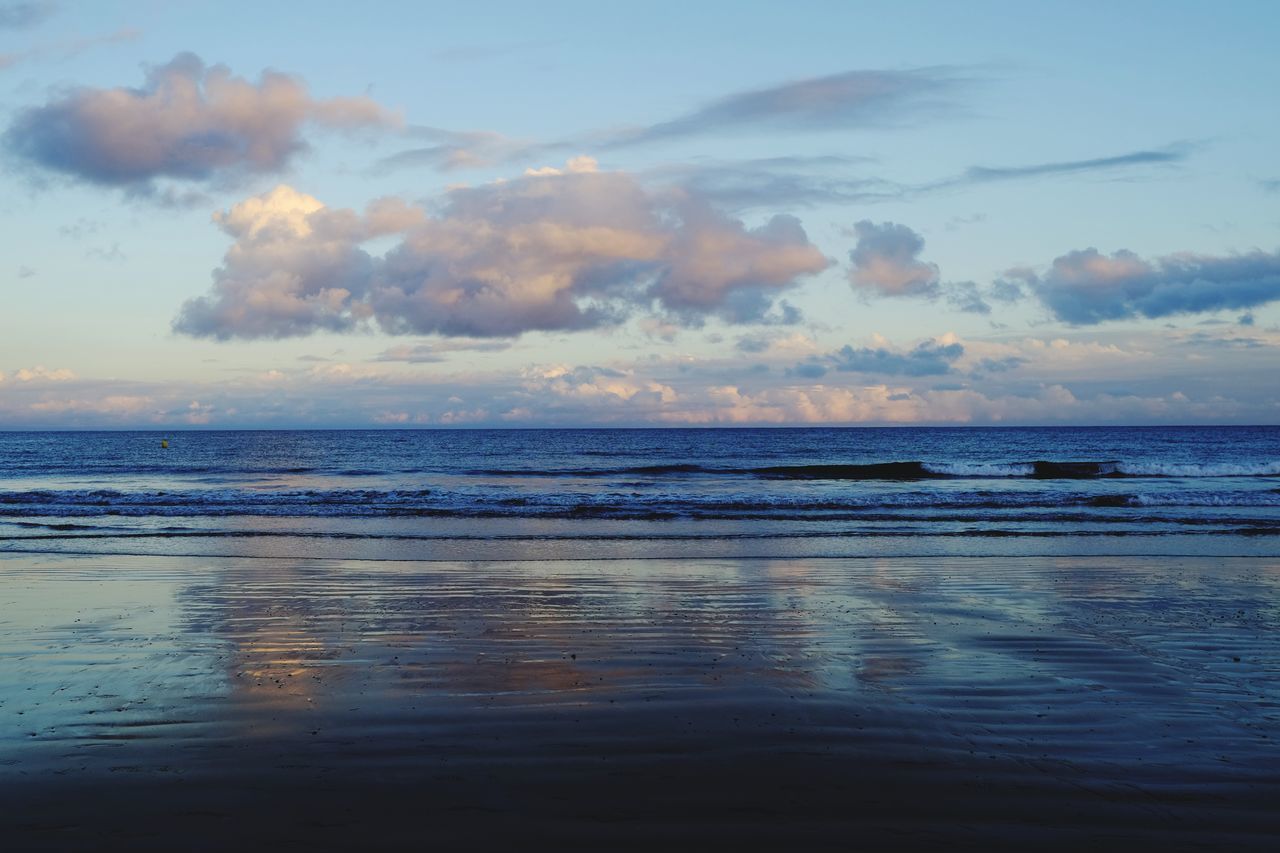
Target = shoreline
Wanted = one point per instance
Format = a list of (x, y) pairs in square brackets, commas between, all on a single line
[(446, 547)]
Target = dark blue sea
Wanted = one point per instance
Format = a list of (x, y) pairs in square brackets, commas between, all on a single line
[(670, 492)]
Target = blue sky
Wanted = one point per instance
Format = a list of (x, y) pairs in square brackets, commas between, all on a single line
[(666, 213)]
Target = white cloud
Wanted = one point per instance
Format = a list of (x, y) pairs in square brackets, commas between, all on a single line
[(41, 374), (576, 249)]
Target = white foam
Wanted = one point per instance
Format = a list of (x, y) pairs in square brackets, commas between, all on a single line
[(980, 469), (1168, 469), (1231, 499)]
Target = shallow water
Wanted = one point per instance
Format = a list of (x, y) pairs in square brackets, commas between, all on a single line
[(1116, 701)]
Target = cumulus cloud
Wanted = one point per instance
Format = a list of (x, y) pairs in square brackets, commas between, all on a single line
[(1087, 287), (850, 99), (564, 249), (188, 122), (283, 276), (886, 261)]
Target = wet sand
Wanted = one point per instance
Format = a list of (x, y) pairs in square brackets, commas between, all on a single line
[(199, 703)]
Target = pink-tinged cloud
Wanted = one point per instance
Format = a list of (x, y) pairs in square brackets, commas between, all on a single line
[(559, 249), (38, 375), (886, 262), (1159, 376), (188, 122)]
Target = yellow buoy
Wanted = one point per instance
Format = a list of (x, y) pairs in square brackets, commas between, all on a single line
[(164, 442)]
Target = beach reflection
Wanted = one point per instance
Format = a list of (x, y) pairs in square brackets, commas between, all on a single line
[(326, 666), (301, 638)]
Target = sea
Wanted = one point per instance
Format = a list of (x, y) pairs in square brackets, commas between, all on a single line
[(897, 638), (624, 493)]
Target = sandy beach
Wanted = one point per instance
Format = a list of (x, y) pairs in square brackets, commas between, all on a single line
[(1120, 703)]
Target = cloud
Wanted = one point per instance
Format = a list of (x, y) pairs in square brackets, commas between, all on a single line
[(559, 250), (16, 16), (110, 255), (1229, 341), (808, 370), (658, 327), (67, 49), (799, 181), (451, 150), (188, 122), (1086, 287), (889, 403), (116, 407), (284, 275), (928, 358), (985, 174), (967, 297), (40, 374), (791, 344), (1001, 365), (1114, 376), (1082, 287), (781, 181), (865, 98), (1009, 290), (597, 385), (886, 261), (437, 351)]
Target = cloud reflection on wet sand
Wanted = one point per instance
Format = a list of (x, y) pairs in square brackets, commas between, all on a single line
[(905, 700)]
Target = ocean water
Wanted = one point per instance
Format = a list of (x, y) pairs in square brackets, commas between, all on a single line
[(624, 493), (1024, 638)]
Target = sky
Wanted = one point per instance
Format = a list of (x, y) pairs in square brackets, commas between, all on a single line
[(661, 214)]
